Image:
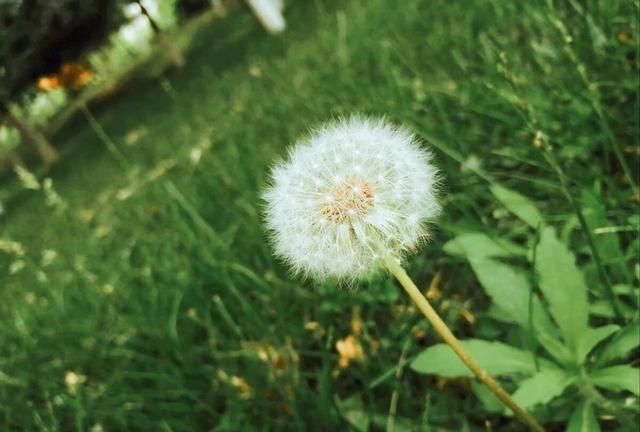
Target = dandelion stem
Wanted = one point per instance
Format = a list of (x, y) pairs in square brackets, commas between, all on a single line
[(446, 334)]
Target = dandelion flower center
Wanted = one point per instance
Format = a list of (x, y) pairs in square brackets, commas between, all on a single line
[(349, 199)]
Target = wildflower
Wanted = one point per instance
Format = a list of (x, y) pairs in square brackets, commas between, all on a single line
[(350, 350), (355, 193)]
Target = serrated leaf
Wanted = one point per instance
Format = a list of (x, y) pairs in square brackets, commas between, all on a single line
[(563, 286), (583, 419), (479, 245), (518, 204), (618, 378), (622, 343), (542, 387), (495, 357), (591, 338)]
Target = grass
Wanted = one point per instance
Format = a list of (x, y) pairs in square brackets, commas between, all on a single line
[(152, 281)]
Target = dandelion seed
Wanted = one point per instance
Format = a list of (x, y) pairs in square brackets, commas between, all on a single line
[(345, 197)]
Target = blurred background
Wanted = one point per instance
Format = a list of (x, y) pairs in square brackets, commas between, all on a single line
[(137, 287)]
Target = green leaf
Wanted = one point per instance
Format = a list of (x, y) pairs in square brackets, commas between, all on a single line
[(556, 348), (509, 290), (479, 245), (603, 308), (622, 343), (542, 387), (607, 244), (518, 204), (563, 286), (353, 412), (591, 338), (489, 401), (495, 357), (618, 378), (583, 419)]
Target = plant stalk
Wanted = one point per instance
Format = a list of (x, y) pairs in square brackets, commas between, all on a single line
[(449, 338)]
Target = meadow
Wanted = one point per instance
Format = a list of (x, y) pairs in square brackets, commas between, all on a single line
[(139, 291)]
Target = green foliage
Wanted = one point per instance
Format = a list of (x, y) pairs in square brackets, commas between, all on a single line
[(622, 343), (495, 357), (618, 378), (518, 205), (564, 293), (583, 419), (542, 387), (563, 287), (152, 280)]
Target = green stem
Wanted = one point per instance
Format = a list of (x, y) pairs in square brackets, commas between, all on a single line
[(441, 328)]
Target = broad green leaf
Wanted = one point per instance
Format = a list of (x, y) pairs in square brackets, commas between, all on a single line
[(583, 419), (542, 387), (591, 338), (490, 402), (622, 343), (479, 245), (518, 204), (563, 286), (495, 357), (509, 290), (618, 378)]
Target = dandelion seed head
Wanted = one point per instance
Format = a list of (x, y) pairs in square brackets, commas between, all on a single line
[(355, 192)]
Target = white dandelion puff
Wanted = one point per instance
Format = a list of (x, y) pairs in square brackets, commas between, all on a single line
[(354, 193)]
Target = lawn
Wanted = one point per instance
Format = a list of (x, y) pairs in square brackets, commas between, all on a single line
[(139, 290)]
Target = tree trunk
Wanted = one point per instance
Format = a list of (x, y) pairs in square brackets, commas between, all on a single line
[(31, 135)]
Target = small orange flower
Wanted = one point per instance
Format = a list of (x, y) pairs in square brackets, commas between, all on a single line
[(70, 75), (49, 82), (349, 349)]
